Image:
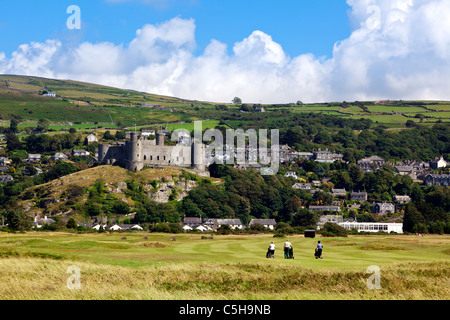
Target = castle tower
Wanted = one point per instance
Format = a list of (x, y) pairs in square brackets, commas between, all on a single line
[(134, 153), (102, 152), (198, 155), (160, 139)]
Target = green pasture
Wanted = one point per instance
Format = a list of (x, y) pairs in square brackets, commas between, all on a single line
[(141, 265), (133, 249)]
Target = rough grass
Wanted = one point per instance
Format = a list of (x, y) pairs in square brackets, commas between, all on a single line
[(151, 266), (37, 278)]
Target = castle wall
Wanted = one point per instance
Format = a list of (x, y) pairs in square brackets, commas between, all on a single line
[(139, 152)]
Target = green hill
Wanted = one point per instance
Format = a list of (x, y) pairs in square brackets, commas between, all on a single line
[(81, 102)]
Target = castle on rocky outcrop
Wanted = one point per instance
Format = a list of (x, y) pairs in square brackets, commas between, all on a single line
[(139, 152)]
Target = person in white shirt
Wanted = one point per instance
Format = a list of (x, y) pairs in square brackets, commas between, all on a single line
[(287, 249), (272, 250)]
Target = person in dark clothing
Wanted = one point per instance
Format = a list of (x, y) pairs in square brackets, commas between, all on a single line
[(319, 250)]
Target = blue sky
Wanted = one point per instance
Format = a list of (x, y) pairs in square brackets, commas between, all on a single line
[(261, 51), (297, 25)]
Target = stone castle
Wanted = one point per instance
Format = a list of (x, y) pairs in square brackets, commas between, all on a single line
[(139, 152)]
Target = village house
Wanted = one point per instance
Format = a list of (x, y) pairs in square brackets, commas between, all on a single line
[(316, 183), (4, 161), (33, 158), (402, 199), (233, 223), (382, 208), (406, 170), (267, 223), (148, 132), (438, 163), (6, 178), (59, 156), (324, 208), (192, 222), (124, 227), (302, 186), (329, 218), (291, 174), (371, 163), (39, 223), (305, 155), (358, 196), (326, 156), (433, 179), (338, 192), (80, 153), (91, 138)]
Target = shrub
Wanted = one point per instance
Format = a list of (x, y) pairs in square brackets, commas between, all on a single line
[(333, 230), (279, 235)]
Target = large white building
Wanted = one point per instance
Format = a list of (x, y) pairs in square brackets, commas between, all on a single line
[(373, 226)]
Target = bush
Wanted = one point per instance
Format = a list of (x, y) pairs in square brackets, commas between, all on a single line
[(279, 235), (333, 230), (167, 228)]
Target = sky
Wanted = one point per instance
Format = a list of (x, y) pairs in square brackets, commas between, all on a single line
[(214, 50)]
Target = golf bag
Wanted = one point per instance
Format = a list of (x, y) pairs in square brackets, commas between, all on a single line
[(318, 253), (291, 254)]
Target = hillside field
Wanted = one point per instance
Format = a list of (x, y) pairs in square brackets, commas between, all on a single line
[(96, 104), (140, 266)]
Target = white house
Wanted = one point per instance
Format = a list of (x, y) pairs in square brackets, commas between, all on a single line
[(302, 186), (124, 227), (91, 138), (81, 153), (43, 221), (402, 199), (4, 161), (98, 226), (233, 223), (373, 226), (148, 132), (34, 157), (59, 156), (291, 174), (187, 228), (203, 228), (267, 223), (438, 163)]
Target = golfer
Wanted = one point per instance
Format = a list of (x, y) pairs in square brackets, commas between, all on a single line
[(319, 250), (272, 249), (287, 249)]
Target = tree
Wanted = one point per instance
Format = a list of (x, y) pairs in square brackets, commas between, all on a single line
[(120, 135), (72, 223), (108, 136), (237, 100), (43, 125), (305, 218), (333, 230), (12, 142), (13, 125), (18, 220)]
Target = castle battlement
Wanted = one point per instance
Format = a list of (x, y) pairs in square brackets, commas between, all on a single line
[(139, 152)]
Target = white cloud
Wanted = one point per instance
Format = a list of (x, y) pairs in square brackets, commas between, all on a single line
[(399, 49)]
